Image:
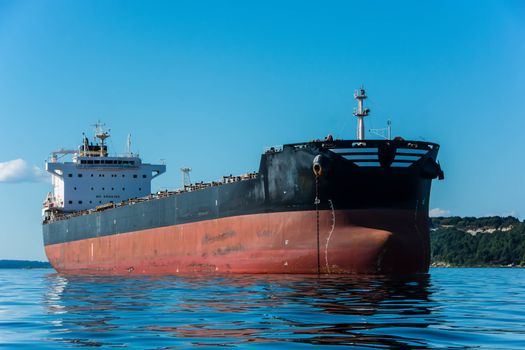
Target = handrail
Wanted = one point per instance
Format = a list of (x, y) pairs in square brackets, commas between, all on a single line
[(367, 144)]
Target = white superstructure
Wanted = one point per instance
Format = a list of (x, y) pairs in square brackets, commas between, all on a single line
[(94, 178)]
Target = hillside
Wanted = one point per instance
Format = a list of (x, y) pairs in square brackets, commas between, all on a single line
[(469, 241)]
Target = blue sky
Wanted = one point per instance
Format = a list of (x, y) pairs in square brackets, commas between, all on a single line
[(210, 84)]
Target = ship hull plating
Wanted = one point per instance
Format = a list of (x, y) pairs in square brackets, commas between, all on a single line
[(260, 243)]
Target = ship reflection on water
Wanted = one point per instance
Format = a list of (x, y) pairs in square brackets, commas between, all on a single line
[(241, 311)]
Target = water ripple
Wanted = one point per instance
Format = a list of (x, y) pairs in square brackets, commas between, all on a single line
[(449, 308)]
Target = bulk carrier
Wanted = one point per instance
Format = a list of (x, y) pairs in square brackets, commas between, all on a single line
[(325, 206)]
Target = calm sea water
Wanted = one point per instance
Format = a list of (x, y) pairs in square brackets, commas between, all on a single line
[(449, 308)]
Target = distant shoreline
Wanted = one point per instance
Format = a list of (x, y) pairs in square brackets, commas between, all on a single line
[(24, 264), (441, 264)]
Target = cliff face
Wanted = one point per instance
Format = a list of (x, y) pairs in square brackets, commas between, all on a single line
[(469, 241)]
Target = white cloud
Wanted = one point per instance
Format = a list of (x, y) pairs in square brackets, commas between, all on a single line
[(17, 170), (436, 212)]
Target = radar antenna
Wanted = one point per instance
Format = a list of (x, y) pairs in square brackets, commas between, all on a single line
[(360, 113), (100, 133), (186, 181)]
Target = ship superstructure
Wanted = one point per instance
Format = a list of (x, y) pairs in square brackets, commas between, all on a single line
[(94, 178)]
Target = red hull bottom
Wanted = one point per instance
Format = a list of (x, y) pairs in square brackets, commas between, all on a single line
[(260, 243)]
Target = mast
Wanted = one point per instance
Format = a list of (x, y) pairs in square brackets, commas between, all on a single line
[(100, 133), (102, 136), (128, 146), (186, 182), (360, 113)]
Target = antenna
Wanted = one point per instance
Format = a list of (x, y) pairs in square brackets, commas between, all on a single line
[(381, 131), (186, 181), (360, 113), (128, 146), (100, 133)]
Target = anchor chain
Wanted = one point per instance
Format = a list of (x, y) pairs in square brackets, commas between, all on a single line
[(318, 171), (317, 201)]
